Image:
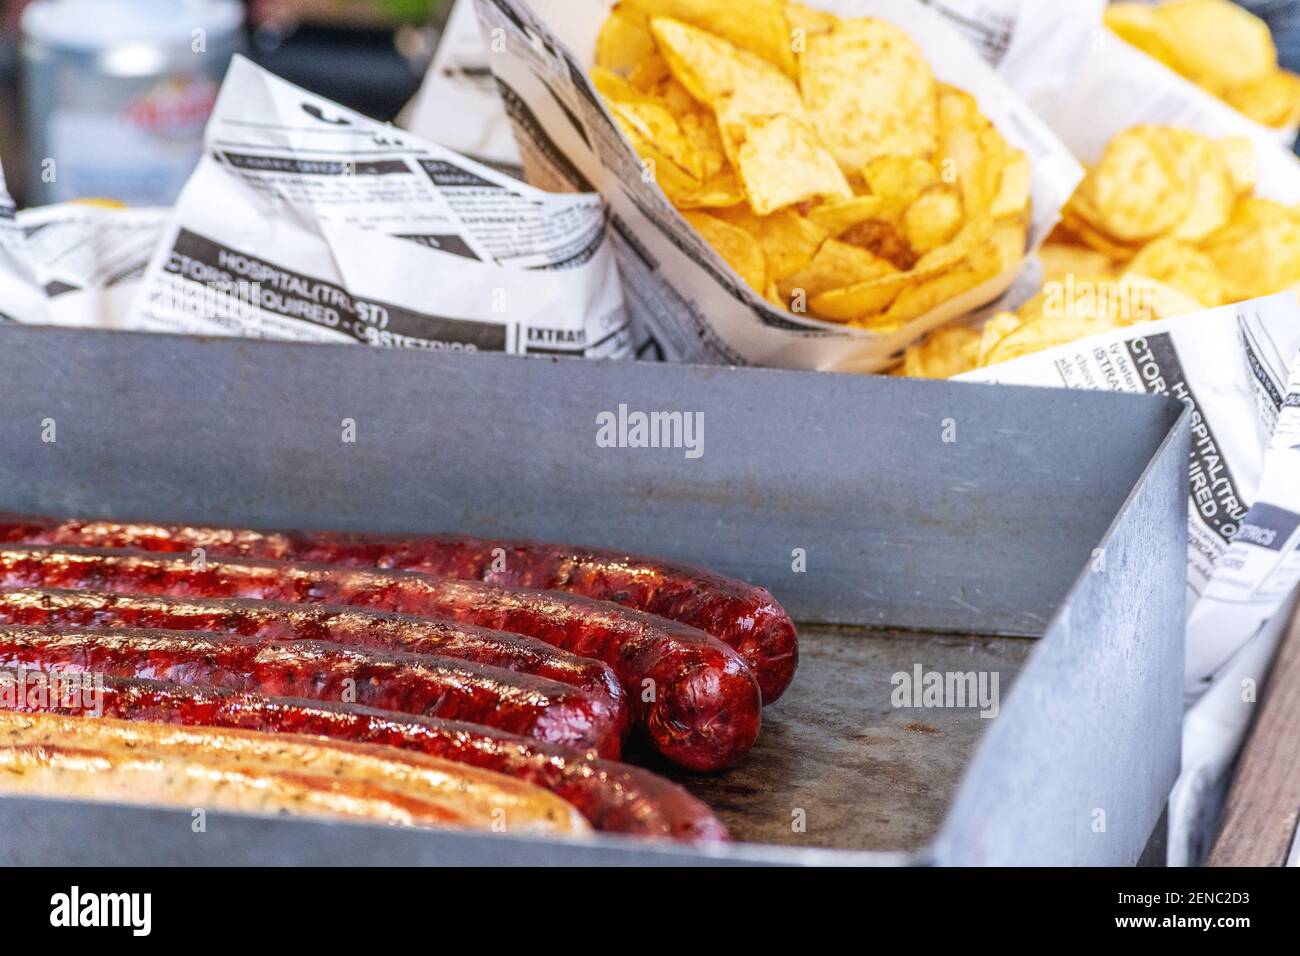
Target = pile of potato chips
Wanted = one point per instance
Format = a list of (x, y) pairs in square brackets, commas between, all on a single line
[(1163, 224), (1179, 207), (1218, 46), (818, 155)]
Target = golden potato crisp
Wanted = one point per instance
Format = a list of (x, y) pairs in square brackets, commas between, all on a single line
[(870, 92), (740, 250), (757, 26), (1137, 190)]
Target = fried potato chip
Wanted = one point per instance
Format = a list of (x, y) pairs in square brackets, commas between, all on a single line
[(973, 256), (838, 215), (779, 162), (677, 181), (870, 91), (1062, 312), (1273, 100), (971, 151), (651, 123), (1213, 191), (612, 86), (861, 302), (650, 72), (1239, 159), (1258, 251), (765, 129), (979, 266), (1060, 259), (898, 180), (1183, 267), (976, 233), (757, 26), (680, 102), (740, 250), (1138, 25), (1045, 333), (802, 17), (834, 265), (945, 352), (717, 72), (624, 41), (1013, 195), (684, 155), (1076, 223), (701, 130), (1219, 44), (773, 295), (1010, 235), (882, 239), (1122, 301), (933, 218), (717, 192), (789, 240), (995, 330), (1136, 191), (1162, 300)]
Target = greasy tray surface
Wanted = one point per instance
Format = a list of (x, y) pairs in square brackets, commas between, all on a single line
[(868, 776)]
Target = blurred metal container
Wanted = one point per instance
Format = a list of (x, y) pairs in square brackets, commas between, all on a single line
[(117, 93)]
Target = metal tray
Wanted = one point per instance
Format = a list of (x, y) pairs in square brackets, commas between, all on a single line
[(1035, 533)]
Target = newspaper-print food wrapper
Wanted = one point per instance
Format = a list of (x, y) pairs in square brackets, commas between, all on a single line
[(1018, 37), (688, 304), (1063, 53), (1238, 367), (306, 221), (1112, 86), (73, 264), (457, 105)]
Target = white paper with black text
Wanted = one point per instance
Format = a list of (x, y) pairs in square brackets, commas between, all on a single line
[(307, 221), (458, 105), (1238, 367), (75, 265)]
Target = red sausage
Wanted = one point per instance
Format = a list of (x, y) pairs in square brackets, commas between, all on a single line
[(694, 696), (612, 796), (742, 615), (351, 627), (408, 683)]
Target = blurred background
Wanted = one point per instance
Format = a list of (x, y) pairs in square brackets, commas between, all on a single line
[(112, 88), (89, 63)]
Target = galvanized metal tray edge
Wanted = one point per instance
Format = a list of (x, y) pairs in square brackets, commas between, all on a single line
[(1046, 754)]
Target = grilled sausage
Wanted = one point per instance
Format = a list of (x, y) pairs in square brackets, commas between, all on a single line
[(742, 615), (228, 770), (408, 683), (613, 797), (351, 627), (697, 700)]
